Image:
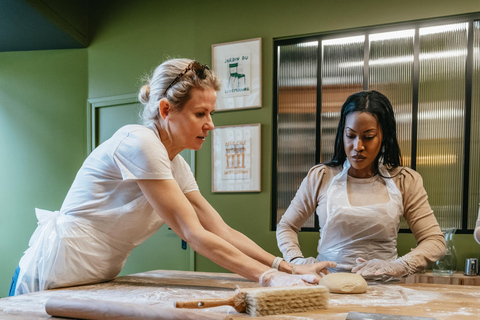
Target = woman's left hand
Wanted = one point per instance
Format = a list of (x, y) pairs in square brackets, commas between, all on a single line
[(319, 268), (378, 267)]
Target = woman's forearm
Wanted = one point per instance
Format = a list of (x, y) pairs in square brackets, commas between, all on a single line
[(287, 240), (251, 249), (170, 203), (225, 254)]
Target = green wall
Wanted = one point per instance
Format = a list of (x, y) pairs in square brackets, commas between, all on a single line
[(42, 141), (43, 97)]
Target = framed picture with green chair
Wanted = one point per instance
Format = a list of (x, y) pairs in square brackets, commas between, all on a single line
[(238, 65)]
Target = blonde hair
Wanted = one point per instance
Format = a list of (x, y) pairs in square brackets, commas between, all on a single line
[(154, 90)]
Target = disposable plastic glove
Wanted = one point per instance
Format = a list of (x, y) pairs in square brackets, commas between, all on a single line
[(275, 278), (476, 234), (319, 268), (378, 267), (308, 260)]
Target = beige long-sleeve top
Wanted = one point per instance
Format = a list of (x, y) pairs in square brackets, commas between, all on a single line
[(311, 198)]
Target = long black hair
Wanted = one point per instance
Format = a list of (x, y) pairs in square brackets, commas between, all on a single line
[(379, 106)]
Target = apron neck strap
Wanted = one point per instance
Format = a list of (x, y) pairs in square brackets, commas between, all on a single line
[(381, 167)]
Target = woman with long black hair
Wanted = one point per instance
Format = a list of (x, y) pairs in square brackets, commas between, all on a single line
[(360, 196)]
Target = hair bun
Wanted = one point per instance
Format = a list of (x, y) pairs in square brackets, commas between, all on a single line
[(144, 94)]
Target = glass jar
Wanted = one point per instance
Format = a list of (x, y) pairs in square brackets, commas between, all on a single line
[(447, 265)]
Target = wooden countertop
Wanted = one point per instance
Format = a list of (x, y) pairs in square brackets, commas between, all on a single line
[(161, 288), (457, 278)]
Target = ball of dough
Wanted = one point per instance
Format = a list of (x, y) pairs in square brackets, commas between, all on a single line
[(342, 282)]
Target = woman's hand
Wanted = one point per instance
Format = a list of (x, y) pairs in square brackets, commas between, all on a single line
[(319, 268), (378, 267), (275, 278)]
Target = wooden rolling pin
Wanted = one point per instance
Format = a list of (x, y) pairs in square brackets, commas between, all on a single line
[(108, 310)]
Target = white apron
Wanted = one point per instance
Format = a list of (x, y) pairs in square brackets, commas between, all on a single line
[(351, 232), (68, 250)]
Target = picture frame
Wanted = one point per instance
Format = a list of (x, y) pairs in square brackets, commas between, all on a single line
[(236, 158), (238, 65)]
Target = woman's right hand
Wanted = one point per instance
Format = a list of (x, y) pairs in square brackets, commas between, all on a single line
[(275, 278), (318, 268)]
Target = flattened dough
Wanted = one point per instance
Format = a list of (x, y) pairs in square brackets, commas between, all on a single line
[(343, 282)]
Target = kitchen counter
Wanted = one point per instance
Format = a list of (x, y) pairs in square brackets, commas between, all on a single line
[(161, 288), (457, 278)]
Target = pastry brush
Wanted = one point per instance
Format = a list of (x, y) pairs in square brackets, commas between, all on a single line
[(268, 301)]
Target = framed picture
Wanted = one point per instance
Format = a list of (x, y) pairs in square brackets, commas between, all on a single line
[(238, 65), (236, 158)]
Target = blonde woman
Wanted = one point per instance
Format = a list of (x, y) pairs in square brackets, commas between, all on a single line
[(135, 182)]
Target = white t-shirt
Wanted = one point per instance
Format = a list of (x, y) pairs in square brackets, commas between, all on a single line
[(105, 186), (104, 215)]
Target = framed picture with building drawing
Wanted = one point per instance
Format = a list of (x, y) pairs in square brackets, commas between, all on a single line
[(236, 158), (239, 67)]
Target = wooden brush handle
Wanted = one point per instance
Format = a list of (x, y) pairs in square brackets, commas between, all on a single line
[(109, 310), (205, 303)]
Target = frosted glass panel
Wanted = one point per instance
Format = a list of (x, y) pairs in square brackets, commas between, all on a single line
[(441, 113), (391, 73), (474, 189), (342, 75), (297, 109)]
